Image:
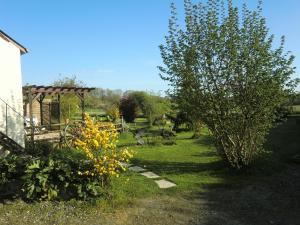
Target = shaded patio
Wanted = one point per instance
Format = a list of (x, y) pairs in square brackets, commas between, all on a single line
[(34, 93)]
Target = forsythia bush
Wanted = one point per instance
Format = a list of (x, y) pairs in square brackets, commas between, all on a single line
[(98, 141)]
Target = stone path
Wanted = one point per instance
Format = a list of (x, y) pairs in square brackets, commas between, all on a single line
[(126, 165), (150, 175), (136, 169), (162, 183)]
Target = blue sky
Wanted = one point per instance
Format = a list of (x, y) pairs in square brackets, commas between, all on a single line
[(111, 43)]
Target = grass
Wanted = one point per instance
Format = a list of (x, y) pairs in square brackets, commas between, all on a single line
[(296, 109), (91, 111), (207, 192), (189, 163)]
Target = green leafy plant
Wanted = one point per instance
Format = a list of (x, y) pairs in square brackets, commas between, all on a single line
[(39, 148), (60, 177), (128, 108), (69, 103), (11, 171), (113, 112), (38, 180), (8, 168), (225, 72)]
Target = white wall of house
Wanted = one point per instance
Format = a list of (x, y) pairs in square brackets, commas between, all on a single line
[(11, 91)]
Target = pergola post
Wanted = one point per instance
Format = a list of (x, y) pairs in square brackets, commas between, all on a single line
[(82, 106), (30, 100), (34, 92), (59, 109), (40, 100), (50, 115), (81, 97)]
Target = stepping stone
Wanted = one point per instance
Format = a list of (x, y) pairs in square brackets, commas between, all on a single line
[(164, 183), (136, 169), (140, 141), (126, 165), (150, 175)]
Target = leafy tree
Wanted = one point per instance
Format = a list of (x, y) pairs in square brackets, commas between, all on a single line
[(69, 103), (296, 99), (113, 112), (180, 119), (103, 98), (128, 108), (225, 71), (145, 104), (151, 105)]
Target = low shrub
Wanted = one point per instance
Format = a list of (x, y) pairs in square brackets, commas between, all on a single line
[(158, 140), (39, 148), (282, 113), (171, 141), (11, 170), (61, 176), (99, 144), (155, 140), (8, 168)]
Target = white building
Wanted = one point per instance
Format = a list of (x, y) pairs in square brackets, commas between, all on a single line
[(11, 97)]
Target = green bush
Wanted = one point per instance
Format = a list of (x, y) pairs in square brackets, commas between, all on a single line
[(129, 108), (158, 140), (155, 140), (282, 112), (11, 171), (61, 176), (39, 149), (49, 174), (182, 122), (170, 141), (8, 168)]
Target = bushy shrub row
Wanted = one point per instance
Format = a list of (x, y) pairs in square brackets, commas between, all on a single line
[(59, 176), (43, 173), (12, 168)]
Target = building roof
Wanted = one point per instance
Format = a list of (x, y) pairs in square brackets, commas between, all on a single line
[(14, 42), (34, 89)]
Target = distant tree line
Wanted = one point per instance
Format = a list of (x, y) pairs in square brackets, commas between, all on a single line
[(115, 103)]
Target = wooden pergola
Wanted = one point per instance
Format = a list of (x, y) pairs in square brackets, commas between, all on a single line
[(34, 92)]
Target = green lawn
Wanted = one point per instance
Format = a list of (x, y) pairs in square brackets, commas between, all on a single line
[(190, 163), (296, 108), (207, 191)]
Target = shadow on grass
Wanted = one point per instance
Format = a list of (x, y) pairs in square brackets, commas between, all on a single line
[(206, 140), (10, 191), (206, 154), (271, 197), (272, 200), (284, 140), (162, 167)]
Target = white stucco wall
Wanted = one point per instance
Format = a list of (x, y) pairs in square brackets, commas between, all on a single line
[(11, 91)]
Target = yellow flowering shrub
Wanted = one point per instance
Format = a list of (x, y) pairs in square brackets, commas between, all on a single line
[(98, 141)]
